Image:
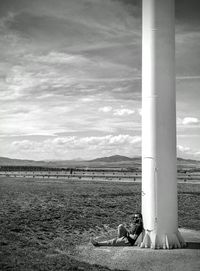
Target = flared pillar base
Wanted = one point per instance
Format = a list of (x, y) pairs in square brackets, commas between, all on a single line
[(164, 241)]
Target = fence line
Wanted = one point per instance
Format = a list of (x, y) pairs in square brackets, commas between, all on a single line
[(131, 176)]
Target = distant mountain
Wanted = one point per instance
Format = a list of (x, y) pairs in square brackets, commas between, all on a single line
[(4, 161), (111, 159), (187, 163), (114, 161)]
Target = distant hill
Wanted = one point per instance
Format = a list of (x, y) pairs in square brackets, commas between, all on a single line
[(4, 161), (114, 161), (111, 159), (187, 163)]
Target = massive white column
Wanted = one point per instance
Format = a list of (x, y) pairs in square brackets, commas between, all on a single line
[(159, 180)]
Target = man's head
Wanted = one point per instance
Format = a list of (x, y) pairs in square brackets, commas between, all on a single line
[(137, 217)]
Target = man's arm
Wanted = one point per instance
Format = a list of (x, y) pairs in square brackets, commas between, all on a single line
[(132, 238), (134, 233)]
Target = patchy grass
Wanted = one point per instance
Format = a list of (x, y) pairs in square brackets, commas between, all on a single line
[(42, 220)]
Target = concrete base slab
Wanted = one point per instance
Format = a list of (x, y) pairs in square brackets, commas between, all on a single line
[(141, 259)]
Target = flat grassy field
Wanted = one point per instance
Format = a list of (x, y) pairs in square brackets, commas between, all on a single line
[(42, 220)]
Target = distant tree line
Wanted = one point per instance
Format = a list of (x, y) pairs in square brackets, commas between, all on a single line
[(30, 168)]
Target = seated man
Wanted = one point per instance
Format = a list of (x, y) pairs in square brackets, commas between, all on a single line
[(125, 237)]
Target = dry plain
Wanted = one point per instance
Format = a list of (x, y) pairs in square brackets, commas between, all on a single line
[(42, 220)]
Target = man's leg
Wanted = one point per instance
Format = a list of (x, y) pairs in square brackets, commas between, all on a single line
[(121, 231), (121, 240), (117, 242)]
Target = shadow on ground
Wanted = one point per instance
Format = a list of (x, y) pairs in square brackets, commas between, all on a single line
[(135, 258)]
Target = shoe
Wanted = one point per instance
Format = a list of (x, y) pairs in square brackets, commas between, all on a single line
[(94, 242)]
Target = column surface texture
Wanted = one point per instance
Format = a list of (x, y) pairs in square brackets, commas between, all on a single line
[(159, 172)]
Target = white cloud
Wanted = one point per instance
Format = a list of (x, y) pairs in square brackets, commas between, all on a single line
[(117, 112), (190, 120), (57, 58), (95, 140), (70, 146), (192, 77), (87, 100), (187, 152), (105, 109), (186, 37), (123, 112), (139, 111), (183, 149), (23, 144), (197, 154)]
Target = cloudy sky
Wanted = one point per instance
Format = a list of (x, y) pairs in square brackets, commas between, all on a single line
[(70, 80)]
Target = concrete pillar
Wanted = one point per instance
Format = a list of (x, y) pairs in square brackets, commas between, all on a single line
[(159, 180)]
